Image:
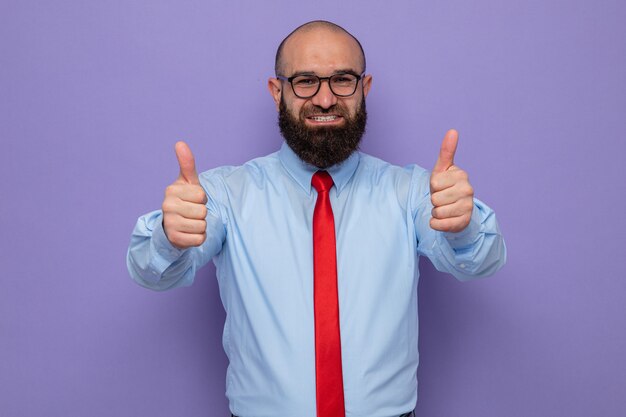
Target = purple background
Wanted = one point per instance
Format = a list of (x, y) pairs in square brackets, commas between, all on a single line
[(93, 96)]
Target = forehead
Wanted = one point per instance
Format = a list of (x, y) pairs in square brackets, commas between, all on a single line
[(321, 51)]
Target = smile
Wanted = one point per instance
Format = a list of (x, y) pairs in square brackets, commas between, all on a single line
[(324, 119)]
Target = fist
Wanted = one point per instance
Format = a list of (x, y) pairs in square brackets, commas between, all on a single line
[(450, 191), (184, 206)]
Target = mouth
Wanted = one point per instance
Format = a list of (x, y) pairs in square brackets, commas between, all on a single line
[(324, 120)]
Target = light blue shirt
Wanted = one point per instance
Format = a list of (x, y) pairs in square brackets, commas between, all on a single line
[(259, 237)]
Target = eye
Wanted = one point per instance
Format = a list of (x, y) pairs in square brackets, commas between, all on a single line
[(343, 79), (305, 81)]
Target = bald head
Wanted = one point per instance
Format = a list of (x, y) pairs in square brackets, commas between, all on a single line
[(310, 28)]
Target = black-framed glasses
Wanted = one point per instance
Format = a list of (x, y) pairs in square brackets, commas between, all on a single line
[(306, 86)]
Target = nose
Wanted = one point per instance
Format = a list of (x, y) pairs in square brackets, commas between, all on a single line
[(324, 97)]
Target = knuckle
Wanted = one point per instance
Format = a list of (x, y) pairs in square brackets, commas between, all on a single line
[(174, 238), (172, 190), (465, 220), (167, 206), (438, 224), (198, 239), (437, 199), (467, 189), (200, 195)]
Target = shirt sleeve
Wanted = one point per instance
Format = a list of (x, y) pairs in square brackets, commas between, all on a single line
[(153, 262), (476, 251)]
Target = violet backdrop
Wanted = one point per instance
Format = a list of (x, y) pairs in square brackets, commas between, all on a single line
[(93, 96)]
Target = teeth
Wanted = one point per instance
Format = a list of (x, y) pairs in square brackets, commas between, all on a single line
[(324, 118)]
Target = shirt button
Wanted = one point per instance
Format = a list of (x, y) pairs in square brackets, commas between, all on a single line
[(462, 266)]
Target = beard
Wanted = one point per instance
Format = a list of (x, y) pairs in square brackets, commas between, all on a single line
[(322, 146)]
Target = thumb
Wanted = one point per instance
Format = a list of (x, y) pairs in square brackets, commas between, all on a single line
[(187, 163), (448, 148)]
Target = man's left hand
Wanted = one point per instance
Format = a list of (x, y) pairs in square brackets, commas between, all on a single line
[(450, 191)]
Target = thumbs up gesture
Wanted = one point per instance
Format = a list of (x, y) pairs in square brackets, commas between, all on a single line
[(184, 209), (450, 190)]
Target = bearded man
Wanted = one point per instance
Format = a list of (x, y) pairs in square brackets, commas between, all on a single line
[(317, 245)]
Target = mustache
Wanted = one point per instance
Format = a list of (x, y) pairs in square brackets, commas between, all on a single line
[(314, 110)]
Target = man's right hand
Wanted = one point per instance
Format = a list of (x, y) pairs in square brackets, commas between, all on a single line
[(184, 209)]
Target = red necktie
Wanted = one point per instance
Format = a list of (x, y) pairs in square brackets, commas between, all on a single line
[(328, 375)]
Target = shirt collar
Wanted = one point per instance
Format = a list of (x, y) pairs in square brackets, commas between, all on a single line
[(303, 172)]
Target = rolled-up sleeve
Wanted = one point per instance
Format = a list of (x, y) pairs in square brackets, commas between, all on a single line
[(153, 262), (476, 251)]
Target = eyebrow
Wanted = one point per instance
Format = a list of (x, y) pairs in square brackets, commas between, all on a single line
[(339, 71)]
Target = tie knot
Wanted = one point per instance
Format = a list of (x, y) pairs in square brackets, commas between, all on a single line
[(322, 181)]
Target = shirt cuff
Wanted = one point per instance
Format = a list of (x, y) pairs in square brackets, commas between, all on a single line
[(163, 252), (468, 235)]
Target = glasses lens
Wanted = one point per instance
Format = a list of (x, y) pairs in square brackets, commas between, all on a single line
[(305, 85), (343, 84)]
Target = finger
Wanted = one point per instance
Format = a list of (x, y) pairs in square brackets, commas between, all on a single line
[(187, 163), (442, 180), (459, 208), (452, 194), (452, 224), (186, 240), (185, 209), (187, 192), (444, 197), (183, 225), (448, 149)]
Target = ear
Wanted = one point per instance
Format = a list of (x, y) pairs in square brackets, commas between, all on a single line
[(275, 87), (367, 84)]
